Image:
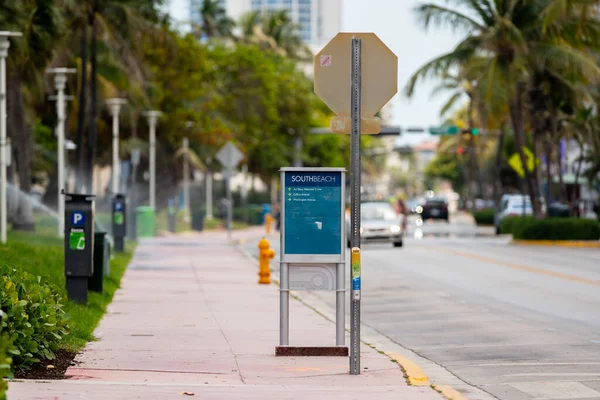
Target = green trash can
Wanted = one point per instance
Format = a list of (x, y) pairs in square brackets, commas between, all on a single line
[(145, 222), (198, 221), (95, 282)]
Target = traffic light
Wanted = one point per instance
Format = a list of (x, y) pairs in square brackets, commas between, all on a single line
[(460, 151), (474, 131)]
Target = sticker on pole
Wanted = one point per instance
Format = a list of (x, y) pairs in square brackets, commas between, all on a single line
[(325, 61), (355, 273), (77, 240)]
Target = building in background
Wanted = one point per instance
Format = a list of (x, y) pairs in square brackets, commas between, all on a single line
[(318, 20)]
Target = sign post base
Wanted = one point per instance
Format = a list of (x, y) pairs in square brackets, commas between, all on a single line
[(295, 351)]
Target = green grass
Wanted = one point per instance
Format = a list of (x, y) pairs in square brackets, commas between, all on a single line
[(41, 253)]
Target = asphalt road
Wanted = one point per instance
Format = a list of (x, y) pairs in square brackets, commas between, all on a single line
[(517, 322)]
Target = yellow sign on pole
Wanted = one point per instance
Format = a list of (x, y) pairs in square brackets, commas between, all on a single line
[(515, 162), (379, 77)]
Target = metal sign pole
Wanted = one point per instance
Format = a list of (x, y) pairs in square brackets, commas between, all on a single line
[(229, 202), (355, 168)]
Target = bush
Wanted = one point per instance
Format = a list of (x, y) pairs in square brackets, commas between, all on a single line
[(5, 361), (560, 229), (509, 225), (36, 322), (484, 216)]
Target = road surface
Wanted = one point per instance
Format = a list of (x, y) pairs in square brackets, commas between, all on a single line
[(517, 322)]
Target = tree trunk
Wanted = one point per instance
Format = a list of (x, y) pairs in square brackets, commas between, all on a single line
[(92, 136), (23, 142), (561, 183), (548, 151), (81, 175), (498, 165), (20, 132), (579, 161), (516, 113), (475, 175)]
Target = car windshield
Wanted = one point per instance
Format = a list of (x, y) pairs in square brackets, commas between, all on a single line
[(377, 212), (436, 202)]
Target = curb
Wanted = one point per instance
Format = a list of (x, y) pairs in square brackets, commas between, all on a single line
[(591, 244), (413, 374)]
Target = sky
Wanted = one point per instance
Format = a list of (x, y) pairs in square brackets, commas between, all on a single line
[(396, 25)]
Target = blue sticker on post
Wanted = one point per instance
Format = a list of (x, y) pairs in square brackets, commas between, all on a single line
[(313, 211), (77, 218)]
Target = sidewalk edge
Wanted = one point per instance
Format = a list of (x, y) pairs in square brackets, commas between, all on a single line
[(414, 374)]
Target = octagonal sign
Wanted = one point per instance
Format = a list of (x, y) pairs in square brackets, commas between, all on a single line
[(333, 74)]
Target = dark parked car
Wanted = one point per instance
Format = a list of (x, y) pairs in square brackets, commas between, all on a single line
[(434, 208)]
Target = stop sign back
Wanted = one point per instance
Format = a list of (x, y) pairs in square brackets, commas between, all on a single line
[(333, 74)]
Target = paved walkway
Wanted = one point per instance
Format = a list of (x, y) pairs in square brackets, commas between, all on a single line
[(190, 317)]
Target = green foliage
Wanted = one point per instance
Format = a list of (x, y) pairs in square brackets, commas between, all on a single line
[(42, 255), (37, 322), (5, 360), (484, 216), (559, 229), (445, 166)]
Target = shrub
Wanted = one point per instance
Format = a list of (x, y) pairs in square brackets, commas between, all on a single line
[(5, 361), (508, 224), (484, 216), (560, 229), (36, 322)]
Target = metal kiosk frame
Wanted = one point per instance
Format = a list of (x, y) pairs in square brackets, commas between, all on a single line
[(318, 270)]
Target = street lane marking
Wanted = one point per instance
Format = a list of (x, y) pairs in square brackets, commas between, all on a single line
[(414, 373), (539, 271)]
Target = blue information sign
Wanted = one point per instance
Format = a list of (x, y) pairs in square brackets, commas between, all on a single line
[(312, 212)]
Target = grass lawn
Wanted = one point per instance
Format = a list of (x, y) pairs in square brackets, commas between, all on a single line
[(41, 253)]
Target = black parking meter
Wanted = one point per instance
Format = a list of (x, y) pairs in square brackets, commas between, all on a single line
[(119, 217), (79, 244)]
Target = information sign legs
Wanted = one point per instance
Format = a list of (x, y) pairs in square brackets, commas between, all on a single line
[(340, 306), (284, 305), (229, 203), (355, 171)]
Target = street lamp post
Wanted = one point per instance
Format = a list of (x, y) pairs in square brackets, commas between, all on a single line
[(115, 105), (60, 82), (152, 116), (209, 192), (4, 45)]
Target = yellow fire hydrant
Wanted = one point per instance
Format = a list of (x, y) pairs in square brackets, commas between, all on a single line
[(266, 253), (268, 222)]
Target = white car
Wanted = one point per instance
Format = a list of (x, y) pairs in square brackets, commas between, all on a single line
[(512, 205), (379, 224)]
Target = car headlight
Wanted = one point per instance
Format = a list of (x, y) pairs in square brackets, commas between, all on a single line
[(395, 228), (419, 209), (361, 229)]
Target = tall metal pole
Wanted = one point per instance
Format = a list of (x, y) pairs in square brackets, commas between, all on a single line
[(186, 180), (209, 194), (115, 108), (60, 81), (152, 118), (4, 45), (298, 152), (355, 181), (229, 202)]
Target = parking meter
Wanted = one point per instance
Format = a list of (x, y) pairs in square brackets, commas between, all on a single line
[(119, 216), (171, 216), (79, 244)]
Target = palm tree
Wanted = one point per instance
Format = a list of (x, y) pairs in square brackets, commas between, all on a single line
[(215, 22), (516, 38), (274, 31), (41, 24)]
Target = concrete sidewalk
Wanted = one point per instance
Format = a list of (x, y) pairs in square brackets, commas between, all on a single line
[(190, 317)]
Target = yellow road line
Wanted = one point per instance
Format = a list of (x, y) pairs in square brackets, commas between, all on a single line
[(450, 393), (414, 373), (559, 243), (539, 271)]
